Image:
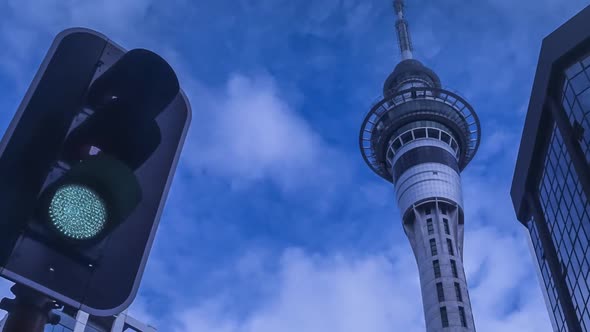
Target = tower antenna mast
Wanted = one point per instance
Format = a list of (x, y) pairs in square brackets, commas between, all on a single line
[(403, 33)]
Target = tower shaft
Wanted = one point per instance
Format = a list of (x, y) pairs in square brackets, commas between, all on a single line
[(429, 196)]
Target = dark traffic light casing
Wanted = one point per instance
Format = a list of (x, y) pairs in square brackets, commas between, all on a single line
[(86, 165)]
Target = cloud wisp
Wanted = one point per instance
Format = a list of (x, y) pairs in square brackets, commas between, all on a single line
[(377, 293), (249, 133)]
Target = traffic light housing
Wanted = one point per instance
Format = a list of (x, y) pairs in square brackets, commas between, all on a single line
[(87, 162)]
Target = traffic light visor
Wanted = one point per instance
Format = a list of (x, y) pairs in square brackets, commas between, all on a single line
[(141, 81)]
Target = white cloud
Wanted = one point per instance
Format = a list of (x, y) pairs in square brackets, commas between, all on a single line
[(253, 134), (317, 293), (139, 311), (5, 292), (505, 291), (28, 26), (5, 288), (498, 145), (248, 132), (379, 293)]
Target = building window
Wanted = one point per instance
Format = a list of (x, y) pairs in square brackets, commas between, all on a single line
[(420, 133), (443, 209), (565, 208), (433, 250), (436, 266), (397, 144), (407, 137), (440, 292), (427, 210), (445, 137), (446, 225), (454, 268), (443, 317), (458, 292), (429, 226), (450, 247), (433, 133), (462, 316)]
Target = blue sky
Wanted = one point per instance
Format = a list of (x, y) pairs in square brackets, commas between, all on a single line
[(274, 222)]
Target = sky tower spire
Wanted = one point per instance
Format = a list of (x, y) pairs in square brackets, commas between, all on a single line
[(403, 33)]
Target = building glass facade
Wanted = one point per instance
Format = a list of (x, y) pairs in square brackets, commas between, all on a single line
[(564, 204), (68, 323), (87, 323), (554, 305), (551, 185), (576, 101)]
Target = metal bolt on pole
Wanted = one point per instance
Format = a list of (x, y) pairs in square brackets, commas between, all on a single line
[(29, 311)]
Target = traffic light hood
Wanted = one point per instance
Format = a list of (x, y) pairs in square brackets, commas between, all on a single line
[(140, 82)]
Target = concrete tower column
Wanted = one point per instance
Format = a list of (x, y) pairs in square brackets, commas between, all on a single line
[(429, 196)]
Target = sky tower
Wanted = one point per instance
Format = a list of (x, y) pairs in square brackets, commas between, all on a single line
[(420, 137)]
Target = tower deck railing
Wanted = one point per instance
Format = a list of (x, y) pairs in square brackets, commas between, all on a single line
[(464, 113)]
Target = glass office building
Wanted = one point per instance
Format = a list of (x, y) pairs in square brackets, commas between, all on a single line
[(78, 321), (551, 184)]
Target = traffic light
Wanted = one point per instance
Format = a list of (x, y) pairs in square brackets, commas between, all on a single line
[(86, 163)]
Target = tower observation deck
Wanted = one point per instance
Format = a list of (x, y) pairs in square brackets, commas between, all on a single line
[(419, 137)]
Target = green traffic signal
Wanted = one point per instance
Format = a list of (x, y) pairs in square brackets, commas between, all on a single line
[(90, 200), (77, 212)]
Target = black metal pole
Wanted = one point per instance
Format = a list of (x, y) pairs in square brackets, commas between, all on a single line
[(29, 311)]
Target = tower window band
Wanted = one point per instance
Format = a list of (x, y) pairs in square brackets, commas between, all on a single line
[(421, 155), (443, 317), (440, 292), (462, 317), (450, 247), (446, 225), (458, 292), (454, 268), (433, 249), (418, 133), (436, 266), (429, 226)]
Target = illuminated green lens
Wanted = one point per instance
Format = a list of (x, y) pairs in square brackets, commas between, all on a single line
[(77, 212)]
